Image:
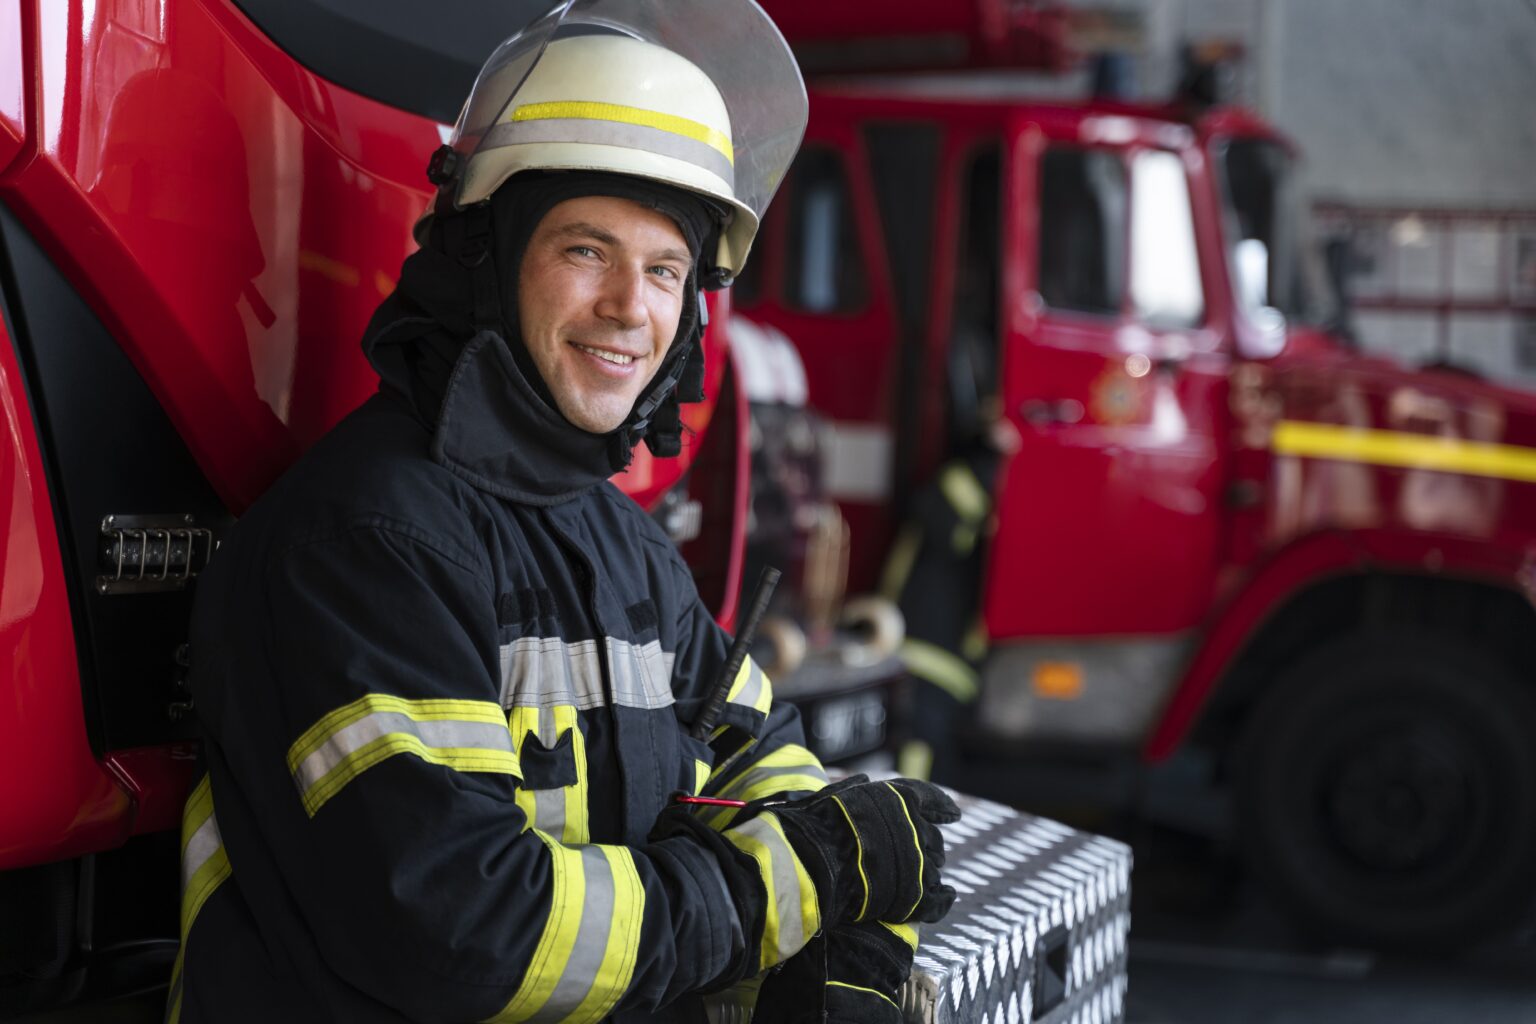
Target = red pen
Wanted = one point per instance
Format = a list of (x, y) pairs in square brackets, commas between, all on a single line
[(707, 801)]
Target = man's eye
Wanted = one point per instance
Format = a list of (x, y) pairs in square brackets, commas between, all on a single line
[(582, 250), (670, 273)]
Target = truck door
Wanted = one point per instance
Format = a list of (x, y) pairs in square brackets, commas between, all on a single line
[(1108, 514)]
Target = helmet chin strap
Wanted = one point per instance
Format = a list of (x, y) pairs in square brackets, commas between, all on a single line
[(657, 416)]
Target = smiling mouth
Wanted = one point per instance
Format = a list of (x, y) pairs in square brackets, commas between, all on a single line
[(617, 358)]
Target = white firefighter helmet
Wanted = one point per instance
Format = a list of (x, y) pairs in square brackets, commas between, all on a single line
[(703, 95)]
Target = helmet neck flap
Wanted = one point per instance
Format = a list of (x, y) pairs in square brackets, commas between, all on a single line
[(464, 282)]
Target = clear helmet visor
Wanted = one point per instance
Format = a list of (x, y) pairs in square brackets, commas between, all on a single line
[(732, 42)]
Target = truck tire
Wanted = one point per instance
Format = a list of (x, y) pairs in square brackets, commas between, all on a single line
[(1387, 791)]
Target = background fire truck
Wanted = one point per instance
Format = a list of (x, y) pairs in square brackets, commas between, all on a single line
[(1241, 577)]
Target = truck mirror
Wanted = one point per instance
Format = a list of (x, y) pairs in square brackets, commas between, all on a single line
[(1251, 257), (1250, 260)]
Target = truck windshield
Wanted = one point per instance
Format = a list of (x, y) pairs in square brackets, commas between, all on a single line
[(1273, 257)]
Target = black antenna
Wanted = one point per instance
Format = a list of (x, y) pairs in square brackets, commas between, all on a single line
[(705, 723)]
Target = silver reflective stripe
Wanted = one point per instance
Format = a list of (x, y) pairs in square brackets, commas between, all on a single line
[(205, 842), (441, 733), (786, 885), (613, 133), (542, 672), (586, 959), (639, 676)]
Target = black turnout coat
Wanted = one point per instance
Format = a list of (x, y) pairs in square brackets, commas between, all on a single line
[(445, 670)]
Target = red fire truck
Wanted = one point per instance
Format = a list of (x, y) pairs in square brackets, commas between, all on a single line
[(1230, 549)]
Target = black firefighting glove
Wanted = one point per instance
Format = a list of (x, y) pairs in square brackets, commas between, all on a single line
[(743, 883), (851, 974), (873, 849)]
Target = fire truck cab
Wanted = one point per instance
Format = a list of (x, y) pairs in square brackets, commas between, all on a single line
[(1229, 547)]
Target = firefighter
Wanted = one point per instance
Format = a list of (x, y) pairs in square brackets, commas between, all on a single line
[(935, 576), (446, 671)]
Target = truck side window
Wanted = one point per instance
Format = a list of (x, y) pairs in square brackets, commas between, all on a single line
[(1083, 200), (1165, 271), (824, 272)]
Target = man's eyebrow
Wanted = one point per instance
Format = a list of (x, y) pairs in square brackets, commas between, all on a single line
[(582, 229), (676, 255)]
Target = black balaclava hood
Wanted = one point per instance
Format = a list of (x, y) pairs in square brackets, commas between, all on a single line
[(427, 341)]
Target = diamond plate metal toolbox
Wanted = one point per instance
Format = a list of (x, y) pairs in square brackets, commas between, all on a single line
[(1038, 933)]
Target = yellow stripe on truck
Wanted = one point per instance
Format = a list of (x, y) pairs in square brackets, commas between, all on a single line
[(1408, 451)]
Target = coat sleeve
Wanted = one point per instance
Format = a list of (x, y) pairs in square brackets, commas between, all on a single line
[(777, 761), (365, 725)]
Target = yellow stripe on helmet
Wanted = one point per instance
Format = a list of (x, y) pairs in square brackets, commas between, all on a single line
[(584, 110)]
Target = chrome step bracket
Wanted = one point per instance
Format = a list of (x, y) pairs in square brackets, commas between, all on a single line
[(143, 554)]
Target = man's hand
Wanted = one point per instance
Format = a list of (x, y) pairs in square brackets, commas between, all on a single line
[(873, 849), (866, 966), (851, 974)]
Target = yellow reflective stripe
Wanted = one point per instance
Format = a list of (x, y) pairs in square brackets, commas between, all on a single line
[(964, 492), (858, 842), (173, 1007), (700, 776), (1409, 451), (420, 710), (578, 829), (905, 932), (786, 769), (942, 668), (567, 891), (791, 758), (201, 886), (623, 949), (917, 842), (586, 954), (520, 722), (792, 912), (464, 735), (974, 645), (463, 759), (915, 760), (204, 867), (559, 811), (751, 687), (861, 988), (204, 862), (962, 539), (770, 785), (592, 111), (898, 566)]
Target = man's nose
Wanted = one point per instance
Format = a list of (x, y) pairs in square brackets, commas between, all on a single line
[(622, 300)]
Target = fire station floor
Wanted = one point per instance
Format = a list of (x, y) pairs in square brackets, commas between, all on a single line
[(1207, 947)]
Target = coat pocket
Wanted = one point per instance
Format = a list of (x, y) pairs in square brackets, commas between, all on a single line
[(548, 767)]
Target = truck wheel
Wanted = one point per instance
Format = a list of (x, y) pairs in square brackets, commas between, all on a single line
[(1387, 791)]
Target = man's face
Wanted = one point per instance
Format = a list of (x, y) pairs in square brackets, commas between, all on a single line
[(600, 294)]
